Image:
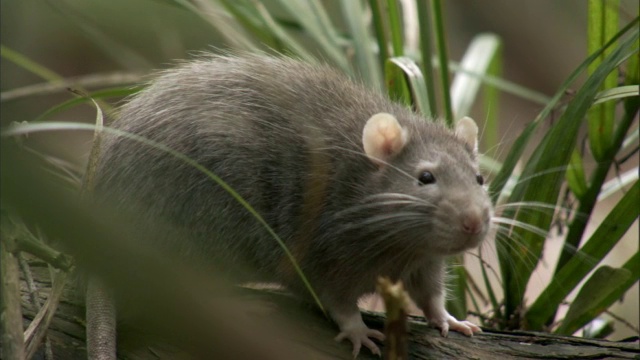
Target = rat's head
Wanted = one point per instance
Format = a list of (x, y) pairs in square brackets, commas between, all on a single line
[(428, 189)]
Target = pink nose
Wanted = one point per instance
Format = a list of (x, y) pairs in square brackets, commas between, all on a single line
[(472, 224)]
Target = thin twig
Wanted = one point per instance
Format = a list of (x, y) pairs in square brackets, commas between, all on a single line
[(38, 327), (34, 295), (623, 321)]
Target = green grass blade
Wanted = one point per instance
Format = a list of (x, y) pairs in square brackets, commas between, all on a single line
[(416, 81), (489, 165), (426, 52), (490, 130), (588, 200), (456, 288), (543, 181), (395, 25), (602, 25), (124, 55), (281, 34), (619, 183), (397, 87), (367, 65), (492, 294), (610, 231), (504, 85), (88, 180), (443, 59), (100, 94), (606, 286), (307, 18), (381, 28), (326, 26), (247, 16), (513, 156), (28, 64), (477, 59), (221, 22), (621, 92), (83, 81), (23, 129)]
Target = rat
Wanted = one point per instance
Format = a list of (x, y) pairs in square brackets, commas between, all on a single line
[(355, 185)]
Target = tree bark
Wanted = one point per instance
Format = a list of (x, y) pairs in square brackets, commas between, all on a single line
[(66, 334)]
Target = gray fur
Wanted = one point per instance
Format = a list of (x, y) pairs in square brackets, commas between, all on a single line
[(262, 124)]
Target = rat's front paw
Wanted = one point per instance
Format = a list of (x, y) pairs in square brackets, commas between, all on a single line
[(448, 322), (360, 336)]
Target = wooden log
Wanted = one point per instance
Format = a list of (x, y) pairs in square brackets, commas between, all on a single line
[(67, 329)]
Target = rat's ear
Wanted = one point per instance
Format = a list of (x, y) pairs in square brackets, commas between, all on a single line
[(467, 130), (383, 138)]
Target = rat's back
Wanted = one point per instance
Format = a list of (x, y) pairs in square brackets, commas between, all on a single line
[(254, 121)]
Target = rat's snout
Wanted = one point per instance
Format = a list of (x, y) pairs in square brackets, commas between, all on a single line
[(472, 224), (473, 221)]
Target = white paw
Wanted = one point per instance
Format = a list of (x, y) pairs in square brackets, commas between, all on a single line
[(448, 322), (360, 336)]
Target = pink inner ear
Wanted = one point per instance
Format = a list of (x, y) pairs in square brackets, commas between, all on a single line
[(383, 137), (390, 140)]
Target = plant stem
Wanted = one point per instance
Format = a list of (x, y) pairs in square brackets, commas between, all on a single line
[(426, 48), (443, 58)]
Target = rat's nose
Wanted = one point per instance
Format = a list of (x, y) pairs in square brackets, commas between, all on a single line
[(472, 224)]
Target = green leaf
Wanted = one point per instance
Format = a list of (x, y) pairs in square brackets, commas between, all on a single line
[(480, 54), (576, 178), (283, 36), (457, 286), (411, 73), (121, 53), (513, 156), (368, 68), (598, 329), (443, 58), (29, 65), (619, 183), (313, 19), (221, 22), (395, 25), (248, 17), (608, 234), (542, 179), (504, 85), (605, 286), (489, 287), (397, 87), (381, 28), (426, 52), (617, 93), (490, 132)]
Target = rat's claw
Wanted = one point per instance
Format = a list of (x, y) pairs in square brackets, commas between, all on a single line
[(450, 323), (466, 327), (361, 337)]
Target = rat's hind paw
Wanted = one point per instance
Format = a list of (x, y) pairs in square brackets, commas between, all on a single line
[(359, 337), (450, 323)]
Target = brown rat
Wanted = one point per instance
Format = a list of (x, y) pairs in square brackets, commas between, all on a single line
[(355, 185)]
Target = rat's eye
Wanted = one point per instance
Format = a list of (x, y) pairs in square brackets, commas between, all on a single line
[(480, 179), (426, 178)]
